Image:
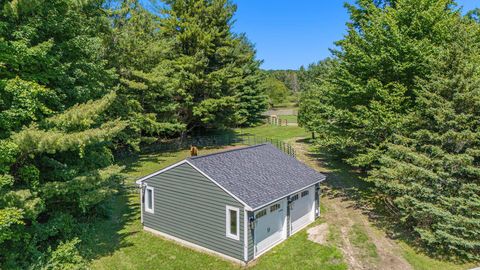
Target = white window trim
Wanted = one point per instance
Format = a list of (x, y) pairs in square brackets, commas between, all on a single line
[(227, 222), (149, 210)]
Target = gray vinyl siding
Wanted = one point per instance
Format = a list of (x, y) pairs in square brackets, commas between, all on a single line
[(191, 207)]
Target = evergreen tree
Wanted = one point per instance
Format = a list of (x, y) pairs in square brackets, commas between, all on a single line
[(53, 172), (138, 50), (251, 96), (56, 165), (57, 44), (311, 80), (213, 72), (430, 173), (389, 46)]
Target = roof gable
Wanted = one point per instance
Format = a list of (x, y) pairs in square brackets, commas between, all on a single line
[(255, 176), (173, 166)]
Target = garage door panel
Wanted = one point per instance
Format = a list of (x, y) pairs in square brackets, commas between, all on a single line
[(269, 226), (300, 223), (302, 210), (268, 242)]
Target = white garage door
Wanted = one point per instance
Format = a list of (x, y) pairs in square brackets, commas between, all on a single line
[(270, 223), (302, 210)]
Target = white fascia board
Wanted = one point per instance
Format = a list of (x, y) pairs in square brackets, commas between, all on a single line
[(247, 207), (265, 204), (139, 181)]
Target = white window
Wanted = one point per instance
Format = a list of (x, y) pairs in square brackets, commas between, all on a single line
[(233, 222), (261, 213), (274, 207), (149, 201)]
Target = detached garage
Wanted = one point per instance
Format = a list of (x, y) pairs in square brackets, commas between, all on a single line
[(237, 204)]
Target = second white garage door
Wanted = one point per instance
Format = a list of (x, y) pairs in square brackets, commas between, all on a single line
[(302, 210)]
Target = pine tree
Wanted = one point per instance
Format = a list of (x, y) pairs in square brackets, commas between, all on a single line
[(213, 72), (52, 172), (138, 49), (389, 46), (250, 95), (55, 159), (64, 53), (430, 172)]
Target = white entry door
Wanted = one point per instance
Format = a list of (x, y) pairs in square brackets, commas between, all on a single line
[(270, 226), (302, 211)]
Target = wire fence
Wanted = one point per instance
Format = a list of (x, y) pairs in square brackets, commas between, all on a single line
[(212, 142), (220, 140)]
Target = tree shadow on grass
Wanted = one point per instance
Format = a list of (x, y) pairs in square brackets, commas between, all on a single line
[(134, 161), (342, 180), (104, 235), (346, 182)]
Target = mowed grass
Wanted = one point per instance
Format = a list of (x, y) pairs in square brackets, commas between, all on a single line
[(289, 118), (119, 241), (274, 132), (299, 253)]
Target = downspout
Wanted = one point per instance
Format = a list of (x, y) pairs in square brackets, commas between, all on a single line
[(317, 200), (289, 218), (245, 235), (142, 197)]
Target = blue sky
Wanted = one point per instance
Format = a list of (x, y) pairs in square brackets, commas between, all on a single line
[(290, 33)]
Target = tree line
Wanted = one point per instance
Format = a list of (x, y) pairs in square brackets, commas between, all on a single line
[(400, 99), (82, 80)]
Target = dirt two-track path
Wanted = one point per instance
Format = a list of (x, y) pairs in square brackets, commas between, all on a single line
[(342, 216)]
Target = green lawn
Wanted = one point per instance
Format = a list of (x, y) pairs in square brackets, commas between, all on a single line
[(289, 118), (275, 132), (120, 243), (361, 241), (286, 104), (420, 261)]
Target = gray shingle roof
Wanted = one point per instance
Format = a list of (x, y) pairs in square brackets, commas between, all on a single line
[(257, 174)]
